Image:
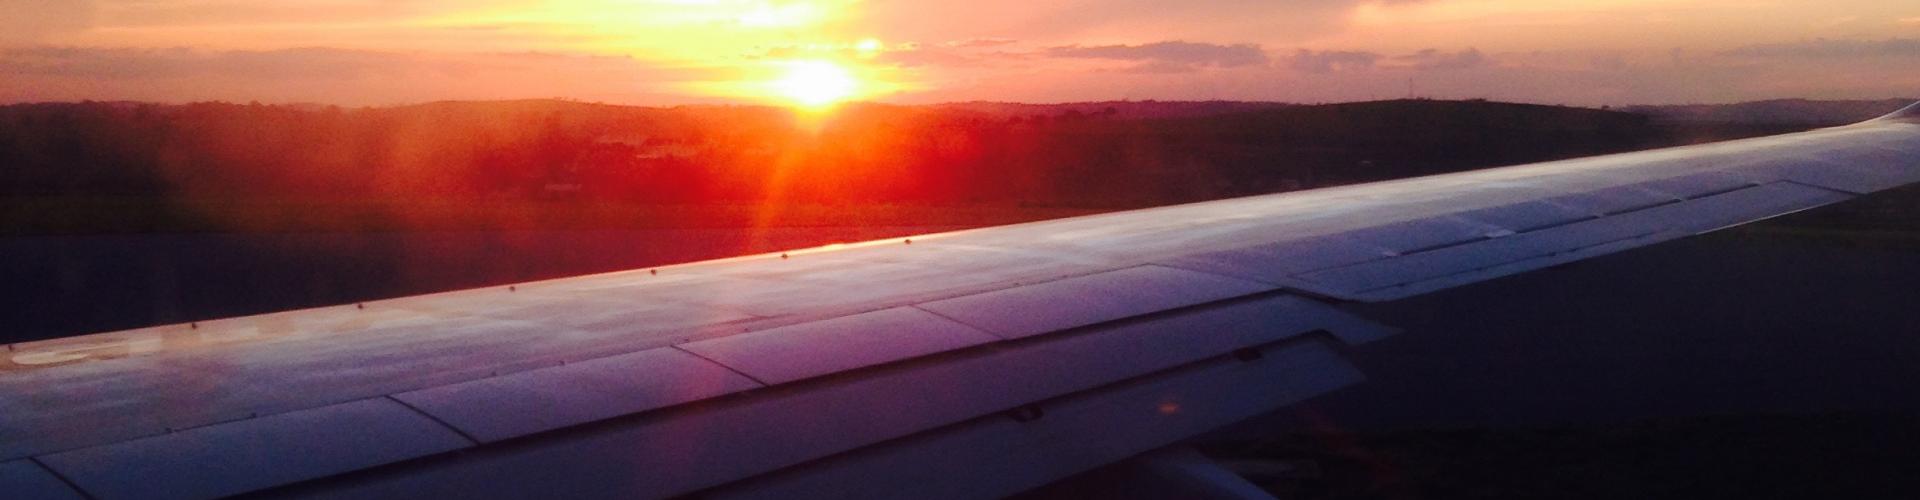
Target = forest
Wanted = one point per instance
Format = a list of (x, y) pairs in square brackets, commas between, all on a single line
[(67, 167)]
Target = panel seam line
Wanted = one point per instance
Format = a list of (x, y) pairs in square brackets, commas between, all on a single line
[(1849, 194), (730, 368), (61, 477), (443, 423), (960, 322)]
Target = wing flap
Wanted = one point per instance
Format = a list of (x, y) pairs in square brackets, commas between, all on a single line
[(1402, 276), (1849, 176), (684, 450), (1073, 435)]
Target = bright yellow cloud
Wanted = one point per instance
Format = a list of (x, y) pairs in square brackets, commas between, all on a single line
[(736, 50)]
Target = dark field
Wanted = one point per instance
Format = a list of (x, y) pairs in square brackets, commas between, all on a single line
[(1776, 360), (53, 216), (1834, 455)]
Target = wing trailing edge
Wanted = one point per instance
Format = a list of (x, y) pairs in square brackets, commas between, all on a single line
[(1909, 114)]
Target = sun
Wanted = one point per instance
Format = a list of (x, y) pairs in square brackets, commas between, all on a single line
[(816, 84)]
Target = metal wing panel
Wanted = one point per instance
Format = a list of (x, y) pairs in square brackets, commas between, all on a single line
[(185, 388), (1278, 262), (25, 479), (1072, 436), (1464, 264), (1074, 302), (1420, 234), (1846, 176), (1507, 268), (1613, 200), (1171, 232), (579, 313), (787, 354), (680, 452), (1527, 216), (1876, 158), (237, 457), (1747, 205), (841, 279), (1701, 184), (1351, 281), (513, 405)]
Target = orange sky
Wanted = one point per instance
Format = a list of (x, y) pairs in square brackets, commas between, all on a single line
[(356, 52)]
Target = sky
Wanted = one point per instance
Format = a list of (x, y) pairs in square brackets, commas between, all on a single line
[(816, 52)]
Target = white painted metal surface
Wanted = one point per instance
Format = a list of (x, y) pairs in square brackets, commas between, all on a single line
[(1278, 262), (1407, 275), (1527, 216), (1072, 436), (1028, 310), (517, 404), (677, 453), (237, 457), (807, 350), (26, 479)]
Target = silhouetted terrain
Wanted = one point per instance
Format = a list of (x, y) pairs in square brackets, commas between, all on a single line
[(1781, 111), (131, 167)]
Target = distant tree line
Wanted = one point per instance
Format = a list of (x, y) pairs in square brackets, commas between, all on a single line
[(1086, 155)]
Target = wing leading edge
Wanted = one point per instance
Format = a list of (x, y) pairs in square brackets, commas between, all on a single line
[(972, 363)]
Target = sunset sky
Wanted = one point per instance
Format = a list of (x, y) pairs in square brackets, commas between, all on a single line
[(375, 52)]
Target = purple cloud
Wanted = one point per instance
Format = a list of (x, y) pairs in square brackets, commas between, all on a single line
[(1825, 48), (1331, 61), (1436, 60)]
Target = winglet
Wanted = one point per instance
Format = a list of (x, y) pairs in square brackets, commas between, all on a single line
[(1909, 114)]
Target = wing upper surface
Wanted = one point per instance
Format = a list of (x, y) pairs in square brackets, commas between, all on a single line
[(830, 360)]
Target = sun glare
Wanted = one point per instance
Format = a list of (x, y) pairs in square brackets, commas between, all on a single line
[(816, 84)]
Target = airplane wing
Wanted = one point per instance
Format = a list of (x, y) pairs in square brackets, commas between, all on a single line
[(965, 364)]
